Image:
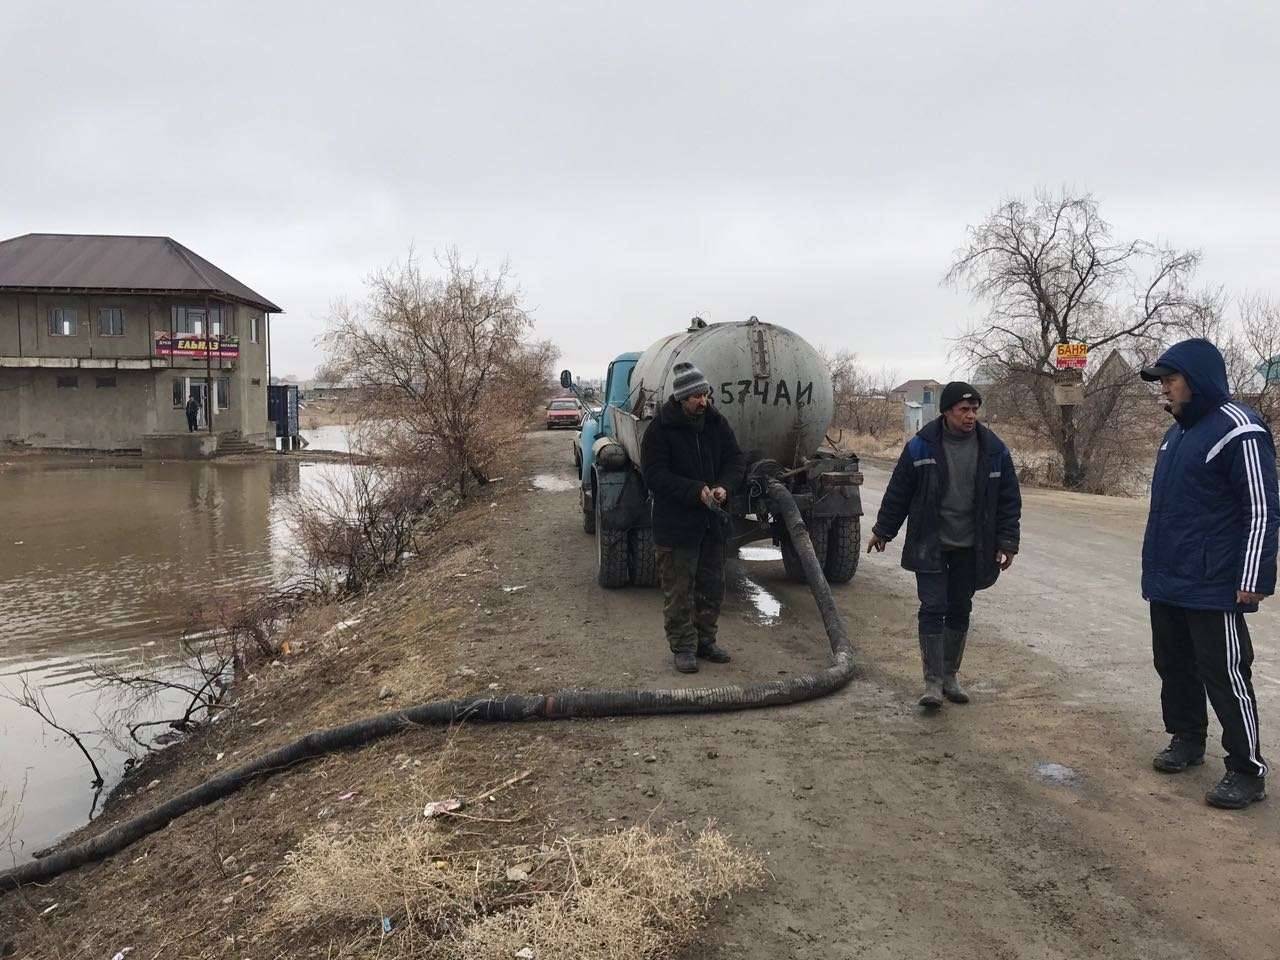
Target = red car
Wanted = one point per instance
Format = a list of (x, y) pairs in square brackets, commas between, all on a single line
[(564, 412)]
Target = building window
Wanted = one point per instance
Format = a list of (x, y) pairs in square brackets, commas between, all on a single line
[(224, 393), (928, 396), (253, 329), (179, 393), (106, 382), (69, 383), (256, 381), (110, 322), (63, 322), (196, 320)]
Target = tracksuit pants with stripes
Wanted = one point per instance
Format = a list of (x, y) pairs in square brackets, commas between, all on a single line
[(1199, 652)]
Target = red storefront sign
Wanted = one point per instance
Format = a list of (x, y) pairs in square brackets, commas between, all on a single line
[(197, 346)]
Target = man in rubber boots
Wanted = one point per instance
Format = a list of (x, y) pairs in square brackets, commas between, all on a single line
[(1208, 558), (956, 488), (691, 462)]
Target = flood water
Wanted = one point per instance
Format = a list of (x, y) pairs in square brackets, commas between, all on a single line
[(101, 562)]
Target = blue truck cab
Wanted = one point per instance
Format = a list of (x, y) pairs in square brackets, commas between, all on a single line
[(617, 389)]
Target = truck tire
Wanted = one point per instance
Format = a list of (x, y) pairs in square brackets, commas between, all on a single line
[(643, 557), (791, 560), (612, 564), (843, 539), (588, 516)]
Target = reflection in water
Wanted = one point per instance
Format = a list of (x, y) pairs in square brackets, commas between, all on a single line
[(760, 553), (768, 607), (102, 564)]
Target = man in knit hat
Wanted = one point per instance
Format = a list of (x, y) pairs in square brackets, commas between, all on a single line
[(955, 487), (691, 463)]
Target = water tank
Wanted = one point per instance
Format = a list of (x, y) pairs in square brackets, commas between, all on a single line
[(769, 383)]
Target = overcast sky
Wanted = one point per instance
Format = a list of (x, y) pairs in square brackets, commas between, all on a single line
[(815, 164)]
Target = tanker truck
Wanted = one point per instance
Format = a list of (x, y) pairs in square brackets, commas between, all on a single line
[(776, 393)]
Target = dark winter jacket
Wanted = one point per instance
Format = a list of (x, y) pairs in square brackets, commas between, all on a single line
[(915, 492), (677, 461), (1212, 526)]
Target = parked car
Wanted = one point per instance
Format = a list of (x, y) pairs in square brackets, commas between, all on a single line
[(564, 412)]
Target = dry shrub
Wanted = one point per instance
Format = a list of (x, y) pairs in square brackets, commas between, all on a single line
[(636, 894), (358, 524)]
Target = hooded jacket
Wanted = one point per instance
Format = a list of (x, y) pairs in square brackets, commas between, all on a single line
[(1211, 530), (915, 494), (677, 460)]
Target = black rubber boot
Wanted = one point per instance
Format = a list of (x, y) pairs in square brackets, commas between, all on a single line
[(953, 653), (713, 652), (686, 662), (1178, 755), (1236, 790), (931, 660)]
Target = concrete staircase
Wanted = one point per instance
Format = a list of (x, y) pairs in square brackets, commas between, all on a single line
[(231, 442)]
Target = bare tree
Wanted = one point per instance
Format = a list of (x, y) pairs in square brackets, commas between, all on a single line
[(861, 397), (1051, 272), (449, 376)]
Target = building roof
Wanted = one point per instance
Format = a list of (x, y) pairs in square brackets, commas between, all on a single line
[(909, 385), (68, 262)]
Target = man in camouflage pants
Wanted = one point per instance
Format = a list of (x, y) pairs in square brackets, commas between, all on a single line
[(691, 462)]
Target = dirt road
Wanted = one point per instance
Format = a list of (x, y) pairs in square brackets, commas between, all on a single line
[(1027, 824)]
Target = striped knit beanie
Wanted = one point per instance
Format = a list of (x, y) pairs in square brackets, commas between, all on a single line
[(687, 380)]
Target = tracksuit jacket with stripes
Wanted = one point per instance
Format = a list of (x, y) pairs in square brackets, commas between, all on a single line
[(1214, 512)]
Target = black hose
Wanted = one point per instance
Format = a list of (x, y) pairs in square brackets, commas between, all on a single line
[(554, 706)]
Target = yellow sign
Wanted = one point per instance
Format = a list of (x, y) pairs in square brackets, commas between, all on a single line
[(1071, 356)]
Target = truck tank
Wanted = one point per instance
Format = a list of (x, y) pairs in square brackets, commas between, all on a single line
[(769, 383)]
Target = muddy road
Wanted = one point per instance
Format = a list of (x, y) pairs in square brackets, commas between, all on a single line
[(1027, 824)]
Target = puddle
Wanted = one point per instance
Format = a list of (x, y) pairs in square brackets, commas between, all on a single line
[(1057, 774), (768, 607), (759, 553), (545, 481)]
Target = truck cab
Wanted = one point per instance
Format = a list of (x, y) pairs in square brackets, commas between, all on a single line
[(617, 388)]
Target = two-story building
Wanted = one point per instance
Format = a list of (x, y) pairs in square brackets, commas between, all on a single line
[(103, 339)]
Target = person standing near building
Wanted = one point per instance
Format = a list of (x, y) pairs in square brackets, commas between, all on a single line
[(193, 413), (691, 463), (1208, 558), (956, 488)]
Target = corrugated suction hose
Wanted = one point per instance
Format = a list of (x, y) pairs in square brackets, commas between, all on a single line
[(553, 706)]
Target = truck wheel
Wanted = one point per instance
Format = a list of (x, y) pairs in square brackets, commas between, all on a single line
[(612, 566), (843, 549), (644, 559), (791, 559), (588, 516)]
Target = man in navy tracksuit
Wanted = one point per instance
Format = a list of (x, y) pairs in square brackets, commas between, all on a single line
[(1208, 558), (955, 487)]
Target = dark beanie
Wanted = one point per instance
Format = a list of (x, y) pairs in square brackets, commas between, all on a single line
[(954, 392), (687, 380)]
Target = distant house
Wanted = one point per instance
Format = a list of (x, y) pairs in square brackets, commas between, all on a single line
[(919, 399), (923, 392), (104, 339)]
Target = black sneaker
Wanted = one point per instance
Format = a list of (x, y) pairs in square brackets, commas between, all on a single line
[(1178, 755), (714, 653), (1236, 790), (686, 662)]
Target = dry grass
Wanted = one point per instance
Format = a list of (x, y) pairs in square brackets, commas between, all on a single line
[(637, 894)]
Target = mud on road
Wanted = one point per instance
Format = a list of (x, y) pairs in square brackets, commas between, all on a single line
[(1028, 824)]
